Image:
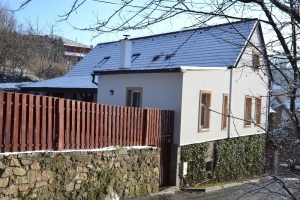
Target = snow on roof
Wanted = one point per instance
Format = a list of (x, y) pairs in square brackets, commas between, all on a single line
[(68, 42), (217, 46), (65, 82), (12, 86)]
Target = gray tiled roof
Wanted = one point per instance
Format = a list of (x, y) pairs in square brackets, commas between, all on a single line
[(216, 46)]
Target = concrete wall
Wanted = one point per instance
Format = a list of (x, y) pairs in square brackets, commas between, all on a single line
[(160, 90), (128, 172)]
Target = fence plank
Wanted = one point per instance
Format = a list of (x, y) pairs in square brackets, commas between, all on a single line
[(73, 121), (78, 130), (117, 142), (8, 123), (67, 123), (16, 123), (109, 128), (114, 119), (44, 124), (88, 127), (30, 122), (93, 117), (2, 103), (97, 126), (125, 124), (105, 130), (102, 116), (37, 130), (61, 129), (83, 132), (50, 124)]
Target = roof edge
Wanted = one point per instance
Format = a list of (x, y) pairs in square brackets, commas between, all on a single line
[(136, 71)]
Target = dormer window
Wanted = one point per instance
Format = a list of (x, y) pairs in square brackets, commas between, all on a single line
[(104, 60), (134, 56)]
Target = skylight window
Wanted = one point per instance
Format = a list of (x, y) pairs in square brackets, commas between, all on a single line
[(134, 56), (104, 60)]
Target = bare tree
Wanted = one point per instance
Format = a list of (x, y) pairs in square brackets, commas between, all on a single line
[(281, 18)]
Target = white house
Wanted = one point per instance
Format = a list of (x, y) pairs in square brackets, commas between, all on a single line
[(203, 74)]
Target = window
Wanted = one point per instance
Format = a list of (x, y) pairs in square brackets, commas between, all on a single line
[(104, 60), (225, 112), (134, 97), (204, 113), (248, 110), (257, 110), (134, 56), (255, 61)]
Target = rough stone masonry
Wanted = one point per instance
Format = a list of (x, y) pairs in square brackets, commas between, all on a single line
[(129, 172)]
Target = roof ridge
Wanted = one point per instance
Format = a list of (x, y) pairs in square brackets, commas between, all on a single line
[(181, 31)]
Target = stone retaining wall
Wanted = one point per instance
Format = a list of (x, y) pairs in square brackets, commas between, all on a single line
[(128, 172)]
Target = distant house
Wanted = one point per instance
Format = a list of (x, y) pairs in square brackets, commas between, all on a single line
[(203, 74), (73, 85), (74, 51)]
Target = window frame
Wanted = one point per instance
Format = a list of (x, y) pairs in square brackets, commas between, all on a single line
[(207, 112), (255, 62), (257, 114), (247, 122), (103, 61), (224, 122), (128, 99), (134, 56)]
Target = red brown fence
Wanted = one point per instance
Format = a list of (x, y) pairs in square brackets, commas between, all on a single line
[(32, 122)]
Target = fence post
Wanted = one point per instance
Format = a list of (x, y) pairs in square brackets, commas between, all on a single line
[(145, 127), (61, 123)]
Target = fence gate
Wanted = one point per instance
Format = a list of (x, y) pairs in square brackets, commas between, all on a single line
[(159, 133)]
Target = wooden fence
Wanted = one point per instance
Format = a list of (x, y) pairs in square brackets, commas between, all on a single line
[(32, 122)]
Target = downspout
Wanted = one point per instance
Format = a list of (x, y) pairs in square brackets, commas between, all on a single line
[(93, 79), (229, 106)]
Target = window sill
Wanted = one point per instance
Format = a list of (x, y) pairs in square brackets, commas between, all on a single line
[(224, 129), (247, 126), (203, 130)]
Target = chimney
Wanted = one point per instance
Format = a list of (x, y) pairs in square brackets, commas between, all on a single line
[(125, 59)]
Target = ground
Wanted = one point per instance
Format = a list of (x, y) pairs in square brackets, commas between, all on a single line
[(262, 189)]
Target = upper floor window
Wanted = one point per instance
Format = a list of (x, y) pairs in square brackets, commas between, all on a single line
[(204, 113), (255, 61), (248, 111), (225, 111), (257, 110), (134, 97)]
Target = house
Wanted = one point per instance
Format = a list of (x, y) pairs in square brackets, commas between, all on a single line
[(205, 75), (74, 51), (215, 79), (77, 83), (201, 74)]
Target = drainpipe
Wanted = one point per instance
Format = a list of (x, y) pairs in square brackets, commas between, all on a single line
[(229, 106), (93, 80)]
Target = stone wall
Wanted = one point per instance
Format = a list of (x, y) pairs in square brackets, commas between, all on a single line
[(128, 172)]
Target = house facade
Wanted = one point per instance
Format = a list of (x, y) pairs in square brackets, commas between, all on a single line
[(230, 79)]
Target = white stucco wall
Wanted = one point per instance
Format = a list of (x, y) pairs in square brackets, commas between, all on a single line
[(160, 90), (245, 82)]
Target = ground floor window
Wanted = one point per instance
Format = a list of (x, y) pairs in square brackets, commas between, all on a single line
[(134, 97)]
